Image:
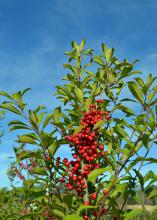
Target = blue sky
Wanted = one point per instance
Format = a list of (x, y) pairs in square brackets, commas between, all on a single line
[(35, 33)]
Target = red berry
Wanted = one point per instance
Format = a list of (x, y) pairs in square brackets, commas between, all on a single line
[(79, 177), (70, 187), (101, 147), (57, 163), (85, 217), (82, 182), (105, 113), (74, 178), (104, 211), (105, 192), (84, 187), (75, 156), (93, 196), (107, 117), (95, 214), (71, 175), (86, 203), (48, 157)]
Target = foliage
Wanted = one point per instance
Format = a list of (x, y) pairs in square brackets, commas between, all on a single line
[(109, 133)]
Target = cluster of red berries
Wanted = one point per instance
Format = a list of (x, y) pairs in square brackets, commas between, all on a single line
[(96, 214), (88, 152)]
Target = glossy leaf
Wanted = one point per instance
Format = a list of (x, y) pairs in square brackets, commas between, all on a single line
[(134, 213), (136, 91), (95, 173), (10, 108), (47, 120), (72, 217), (26, 139)]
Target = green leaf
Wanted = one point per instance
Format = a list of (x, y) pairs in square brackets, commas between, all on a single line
[(10, 108), (47, 120), (128, 111), (145, 139), (39, 170), (58, 213), (30, 215), (140, 177), (46, 139), (75, 45), (152, 95), (79, 128), (18, 97), (136, 91), (109, 147), (89, 101), (53, 148), (68, 199), (95, 173), (140, 81), (79, 94), (99, 60), (40, 116), (57, 114), (153, 193), (17, 127), (137, 160), (85, 207), (72, 217), (150, 80), (15, 124), (134, 213), (33, 118), (126, 153), (28, 154), (127, 100), (6, 95), (82, 44), (121, 132), (108, 53), (26, 139), (25, 90), (98, 124)]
